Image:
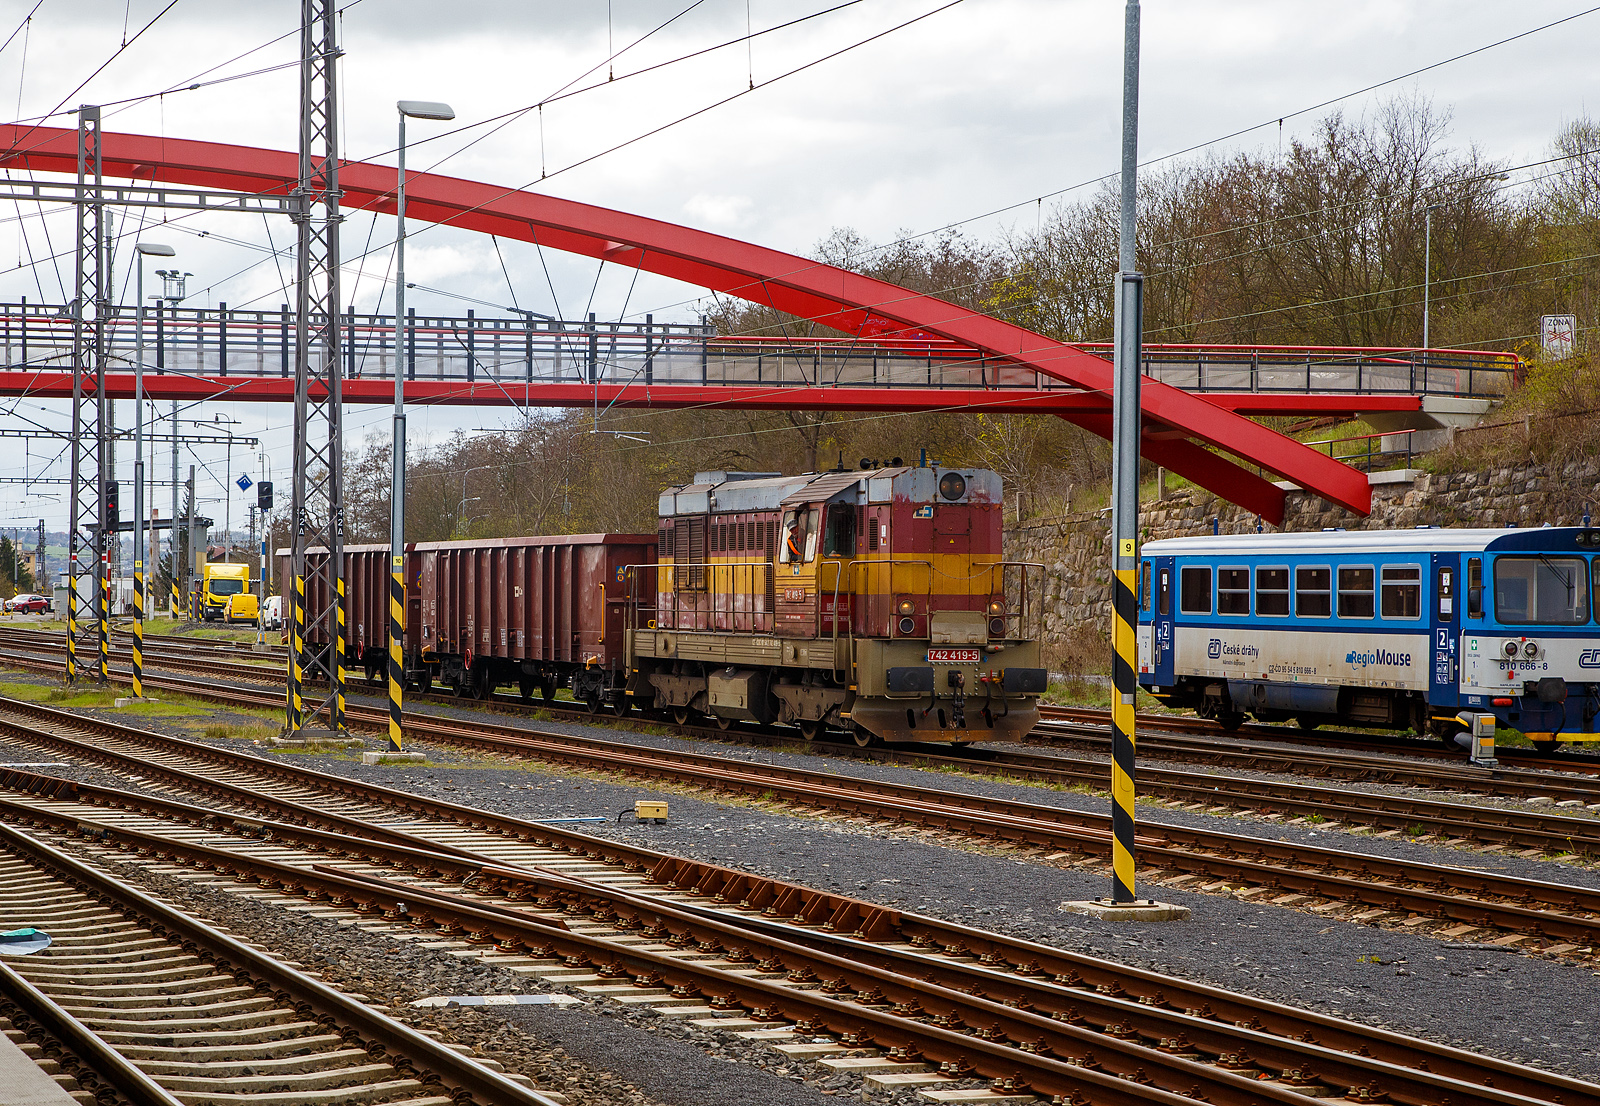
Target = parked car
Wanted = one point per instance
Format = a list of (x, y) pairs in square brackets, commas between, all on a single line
[(272, 613), (29, 603)]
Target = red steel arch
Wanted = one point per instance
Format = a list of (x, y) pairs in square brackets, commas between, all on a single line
[(800, 286)]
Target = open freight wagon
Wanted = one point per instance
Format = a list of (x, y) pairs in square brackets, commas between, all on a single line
[(535, 613)]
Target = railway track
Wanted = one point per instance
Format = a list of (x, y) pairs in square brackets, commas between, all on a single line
[(817, 975), (1565, 917), (1457, 823), (164, 1009)]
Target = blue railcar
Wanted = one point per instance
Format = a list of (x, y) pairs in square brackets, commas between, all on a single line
[(1400, 629)]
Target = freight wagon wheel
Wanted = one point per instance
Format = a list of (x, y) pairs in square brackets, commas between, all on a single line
[(547, 691), (592, 703), (480, 687), (680, 715), (424, 683), (525, 689), (1307, 723), (620, 706)]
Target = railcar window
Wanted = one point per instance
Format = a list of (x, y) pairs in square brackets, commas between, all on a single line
[(1233, 590), (1164, 593), (1474, 587), (1355, 592), (1195, 582), (1272, 591), (1541, 589), (1144, 586), (1402, 591), (1313, 592)]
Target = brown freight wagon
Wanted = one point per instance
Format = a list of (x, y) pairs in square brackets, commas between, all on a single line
[(535, 613)]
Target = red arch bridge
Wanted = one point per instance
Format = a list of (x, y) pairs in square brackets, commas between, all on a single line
[(912, 352)]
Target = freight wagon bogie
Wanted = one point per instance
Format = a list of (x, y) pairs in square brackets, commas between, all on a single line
[(1425, 630)]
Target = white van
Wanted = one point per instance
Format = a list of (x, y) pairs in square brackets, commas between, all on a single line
[(272, 613)]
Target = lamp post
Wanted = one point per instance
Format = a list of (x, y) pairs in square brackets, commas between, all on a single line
[(142, 250), (1427, 269), (416, 109), (173, 291)]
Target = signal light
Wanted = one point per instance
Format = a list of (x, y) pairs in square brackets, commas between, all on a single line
[(264, 495), (112, 512)]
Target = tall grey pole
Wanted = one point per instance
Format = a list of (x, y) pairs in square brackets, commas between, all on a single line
[(1427, 269), (397, 480), (1125, 482), (138, 483), (177, 572)]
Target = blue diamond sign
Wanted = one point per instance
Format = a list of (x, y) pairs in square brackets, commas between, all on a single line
[(244, 482)]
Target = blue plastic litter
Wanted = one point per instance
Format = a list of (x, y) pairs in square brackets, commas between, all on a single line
[(20, 942)]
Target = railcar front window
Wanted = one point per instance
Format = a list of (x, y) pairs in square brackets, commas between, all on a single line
[(1402, 591), (1272, 591), (1551, 591), (1313, 592), (1194, 582), (1233, 591), (1355, 592)]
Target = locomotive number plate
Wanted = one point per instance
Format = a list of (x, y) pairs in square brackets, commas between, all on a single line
[(954, 656)]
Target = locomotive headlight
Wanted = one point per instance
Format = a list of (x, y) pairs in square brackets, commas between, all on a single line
[(907, 626), (952, 485), (997, 607), (1530, 649), (1512, 649), (906, 606)]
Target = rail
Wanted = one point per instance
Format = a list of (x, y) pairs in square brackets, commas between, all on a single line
[(524, 351)]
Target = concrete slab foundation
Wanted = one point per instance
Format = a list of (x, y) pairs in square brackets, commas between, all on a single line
[(1141, 910)]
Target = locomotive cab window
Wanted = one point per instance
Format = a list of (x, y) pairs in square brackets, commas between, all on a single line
[(798, 539), (1551, 591), (1355, 592), (1195, 582), (839, 540), (1313, 591), (1402, 591), (1233, 590), (1272, 591)]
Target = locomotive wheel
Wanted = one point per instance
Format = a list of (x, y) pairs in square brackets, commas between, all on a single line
[(810, 730), (680, 715), (865, 738), (722, 723)]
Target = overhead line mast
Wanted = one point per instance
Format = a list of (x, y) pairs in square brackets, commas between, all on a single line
[(316, 671)]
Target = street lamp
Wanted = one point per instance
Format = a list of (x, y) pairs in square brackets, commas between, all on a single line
[(416, 109), (1427, 269), (174, 290), (142, 250)]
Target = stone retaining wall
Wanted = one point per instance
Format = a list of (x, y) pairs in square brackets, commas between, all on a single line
[(1076, 548)]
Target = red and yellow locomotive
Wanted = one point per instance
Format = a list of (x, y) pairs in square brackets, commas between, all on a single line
[(876, 602)]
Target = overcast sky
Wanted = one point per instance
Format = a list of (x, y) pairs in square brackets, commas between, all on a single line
[(982, 107)]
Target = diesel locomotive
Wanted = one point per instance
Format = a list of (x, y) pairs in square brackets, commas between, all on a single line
[(873, 603), (1398, 629)]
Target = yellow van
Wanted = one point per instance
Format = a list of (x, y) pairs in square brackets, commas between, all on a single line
[(225, 594)]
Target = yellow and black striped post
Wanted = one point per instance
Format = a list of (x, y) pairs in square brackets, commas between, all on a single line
[(397, 623), (72, 620), (138, 629), (105, 615), (1124, 681), (338, 665), (296, 648), (177, 602)]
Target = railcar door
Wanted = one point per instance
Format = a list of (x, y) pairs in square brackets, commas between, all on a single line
[(1162, 586), (1443, 690), (796, 585)]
